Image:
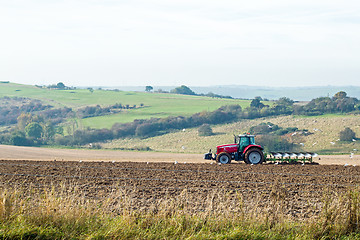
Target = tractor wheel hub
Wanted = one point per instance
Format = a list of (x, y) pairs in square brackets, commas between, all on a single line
[(254, 157)]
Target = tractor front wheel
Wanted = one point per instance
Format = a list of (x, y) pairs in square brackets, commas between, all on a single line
[(254, 156), (223, 158)]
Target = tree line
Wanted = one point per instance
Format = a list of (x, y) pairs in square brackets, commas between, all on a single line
[(95, 111), (339, 103), (185, 90)]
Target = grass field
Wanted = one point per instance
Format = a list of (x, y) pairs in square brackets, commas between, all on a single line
[(160, 106), (155, 104)]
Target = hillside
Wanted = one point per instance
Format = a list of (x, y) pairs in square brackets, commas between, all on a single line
[(37, 116), (324, 132), (153, 104)]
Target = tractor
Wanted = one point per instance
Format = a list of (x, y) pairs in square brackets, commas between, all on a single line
[(243, 149)]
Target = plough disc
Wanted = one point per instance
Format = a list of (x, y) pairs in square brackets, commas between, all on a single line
[(290, 157)]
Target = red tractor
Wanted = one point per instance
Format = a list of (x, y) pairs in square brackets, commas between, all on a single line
[(244, 149)]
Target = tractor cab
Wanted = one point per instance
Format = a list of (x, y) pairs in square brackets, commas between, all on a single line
[(244, 140)]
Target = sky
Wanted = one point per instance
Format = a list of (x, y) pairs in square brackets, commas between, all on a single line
[(176, 42)]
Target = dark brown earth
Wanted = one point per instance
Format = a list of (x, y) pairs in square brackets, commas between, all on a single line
[(303, 187)]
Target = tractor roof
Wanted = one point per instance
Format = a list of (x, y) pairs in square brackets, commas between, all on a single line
[(246, 135)]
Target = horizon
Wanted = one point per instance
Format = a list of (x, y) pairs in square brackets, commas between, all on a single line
[(225, 85)]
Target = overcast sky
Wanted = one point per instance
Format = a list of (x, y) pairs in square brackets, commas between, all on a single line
[(174, 42)]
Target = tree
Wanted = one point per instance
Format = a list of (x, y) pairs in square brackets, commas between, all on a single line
[(285, 101), (49, 131), (340, 95), (60, 85), (183, 90), (205, 130), (256, 103), (34, 130), (346, 104), (283, 106), (23, 120), (148, 88), (347, 135)]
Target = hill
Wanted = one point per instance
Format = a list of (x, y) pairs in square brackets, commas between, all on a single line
[(323, 138), (305, 93), (140, 105), (36, 116)]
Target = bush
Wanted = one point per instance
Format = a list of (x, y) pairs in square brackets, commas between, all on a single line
[(347, 135), (205, 130), (144, 130), (19, 139)]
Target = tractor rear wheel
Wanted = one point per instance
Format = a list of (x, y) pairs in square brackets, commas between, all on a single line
[(223, 158), (254, 156)]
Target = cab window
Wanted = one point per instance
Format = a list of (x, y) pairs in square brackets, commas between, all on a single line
[(244, 142)]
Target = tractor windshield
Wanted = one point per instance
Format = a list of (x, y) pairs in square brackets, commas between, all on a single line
[(244, 142), (252, 140)]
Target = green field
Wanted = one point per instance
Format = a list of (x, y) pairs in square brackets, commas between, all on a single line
[(155, 104)]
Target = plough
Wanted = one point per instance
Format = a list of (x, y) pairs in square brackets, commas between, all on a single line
[(290, 157)]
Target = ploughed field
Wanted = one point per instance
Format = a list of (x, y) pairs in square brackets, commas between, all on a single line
[(300, 188)]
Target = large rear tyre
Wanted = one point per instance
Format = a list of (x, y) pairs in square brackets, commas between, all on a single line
[(223, 158), (254, 156)]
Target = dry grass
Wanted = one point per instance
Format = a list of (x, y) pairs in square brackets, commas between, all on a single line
[(325, 131), (65, 213), (6, 202)]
